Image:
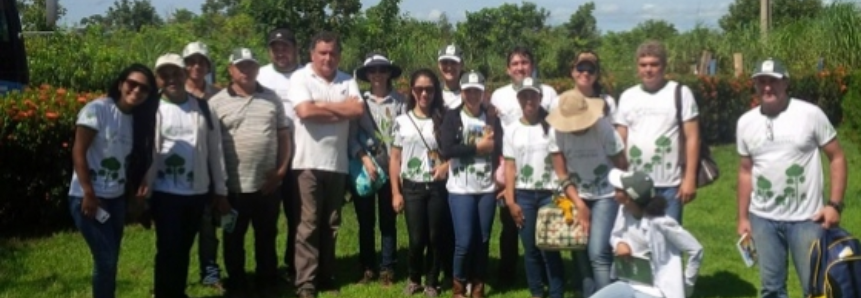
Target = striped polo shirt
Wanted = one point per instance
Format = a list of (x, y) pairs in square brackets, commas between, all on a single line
[(249, 130)]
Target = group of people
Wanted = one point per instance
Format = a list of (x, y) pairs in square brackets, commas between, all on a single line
[(448, 155)]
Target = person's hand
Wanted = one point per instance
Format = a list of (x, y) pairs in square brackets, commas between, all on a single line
[(583, 216), (517, 214), (273, 181), (143, 191), (89, 205), (623, 250), (687, 192), (398, 202), (485, 144), (370, 167), (828, 216), (743, 226), (221, 205), (440, 171)]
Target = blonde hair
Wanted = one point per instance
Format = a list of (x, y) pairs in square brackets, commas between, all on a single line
[(652, 48)]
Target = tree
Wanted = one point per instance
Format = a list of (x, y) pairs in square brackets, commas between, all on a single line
[(182, 15), (377, 29), (304, 17), (224, 7), (582, 26), (33, 15), (654, 29), (127, 14), (745, 13)]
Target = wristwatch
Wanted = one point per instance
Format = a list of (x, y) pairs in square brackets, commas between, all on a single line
[(836, 206)]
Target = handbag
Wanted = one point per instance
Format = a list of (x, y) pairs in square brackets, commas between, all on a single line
[(707, 169), (555, 232), (360, 180)]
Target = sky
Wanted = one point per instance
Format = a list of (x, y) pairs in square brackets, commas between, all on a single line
[(612, 15)]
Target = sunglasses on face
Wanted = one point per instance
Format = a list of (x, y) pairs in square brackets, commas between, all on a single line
[(132, 84), (378, 70), (419, 89), (587, 68)]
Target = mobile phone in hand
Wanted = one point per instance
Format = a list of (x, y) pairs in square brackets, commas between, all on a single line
[(228, 221), (101, 215)]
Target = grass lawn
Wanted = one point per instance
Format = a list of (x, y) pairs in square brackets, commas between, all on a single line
[(60, 265)]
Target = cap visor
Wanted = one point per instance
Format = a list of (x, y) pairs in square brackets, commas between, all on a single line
[(536, 89), (163, 64), (615, 178), (476, 86), (770, 74), (449, 57), (237, 61)]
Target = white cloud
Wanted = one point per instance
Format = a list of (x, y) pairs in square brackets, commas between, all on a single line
[(649, 7), (434, 15), (609, 8), (560, 15)]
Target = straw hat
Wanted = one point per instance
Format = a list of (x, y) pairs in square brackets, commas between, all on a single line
[(575, 112)]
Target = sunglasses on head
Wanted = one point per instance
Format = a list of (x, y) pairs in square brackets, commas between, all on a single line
[(587, 68), (419, 89), (135, 84)]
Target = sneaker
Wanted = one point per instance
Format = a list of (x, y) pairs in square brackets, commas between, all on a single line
[(412, 288), (367, 276), (431, 292), (387, 277)]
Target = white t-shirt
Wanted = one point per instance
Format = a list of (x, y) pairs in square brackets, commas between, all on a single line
[(653, 132), (587, 157), (416, 164), (471, 175), (107, 155), (505, 100), (321, 146), (175, 159), (280, 83), (787, 170), (528, 146), (451, 98)]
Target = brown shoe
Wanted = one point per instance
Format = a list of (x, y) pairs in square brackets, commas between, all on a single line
[(457, 290), (367, 277), (386, 278), (477, 289)]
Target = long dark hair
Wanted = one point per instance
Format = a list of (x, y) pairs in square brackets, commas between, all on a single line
[(437, 107), (143, 127), (596, 86)]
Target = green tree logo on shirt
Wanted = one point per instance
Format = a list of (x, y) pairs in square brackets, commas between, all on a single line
[(598, 182), (414, 167), (174, 165), (526, 174), (763, 188), (110, 170), (636, 155), (794, 179)]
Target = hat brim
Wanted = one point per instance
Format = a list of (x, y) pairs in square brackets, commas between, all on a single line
[(536, 89), (450, 57), (237, 61), (577, 122), (168, 63), (615, 178), (775, 75), (198, 53), (394, 70), (468, 86)]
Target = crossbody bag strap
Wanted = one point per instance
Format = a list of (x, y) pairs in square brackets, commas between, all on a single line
[(419, 131), (682, 136)]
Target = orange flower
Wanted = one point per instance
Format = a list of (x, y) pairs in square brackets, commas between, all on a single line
[(82, 99), (52, 115), (43, 97), (65, 145), (44, 86), (61, 92)]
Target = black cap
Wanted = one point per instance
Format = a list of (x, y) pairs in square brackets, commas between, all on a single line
[(281, 34)]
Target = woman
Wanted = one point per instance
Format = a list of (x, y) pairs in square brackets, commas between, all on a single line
[(467, 143), (198, 66), (113, 149), (644, 232), (586, 72), (371, 143), (529, 185), (584, 148), (420, 191)]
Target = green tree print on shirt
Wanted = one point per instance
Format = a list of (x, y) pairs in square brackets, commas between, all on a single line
[(545, 178), (794, 179), (189, 177), (526, 174), (636, 155), (598, 183), (110, 170), (414, 167), (174, 165), (763, 188)]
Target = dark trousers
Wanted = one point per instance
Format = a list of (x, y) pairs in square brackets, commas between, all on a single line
[(177, 220), (508, 247), (290, 193), (321, 195), (367, 209), (261, 211), (430, 231)]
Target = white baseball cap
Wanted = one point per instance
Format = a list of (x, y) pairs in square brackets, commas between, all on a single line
[(169, 59)]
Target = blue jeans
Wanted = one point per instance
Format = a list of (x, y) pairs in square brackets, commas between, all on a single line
[(366, 213), (104, 240), (773, 239), (620, 289), (674, 206), (536, 260), (472, 216), (594, 263)]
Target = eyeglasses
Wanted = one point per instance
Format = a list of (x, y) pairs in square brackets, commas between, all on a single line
[(135, 85), (378, 70), (769, 130), (587, 68), (419, 89)]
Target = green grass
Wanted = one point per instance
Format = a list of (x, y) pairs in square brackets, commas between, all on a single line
[(60, 265)]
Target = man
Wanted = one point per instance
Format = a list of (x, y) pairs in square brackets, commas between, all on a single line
[(197, 67), (256, 136), (188, 160), (780, 189), (450, 63), (276, 76), (504, 99), (646, 121), (325, 100)]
